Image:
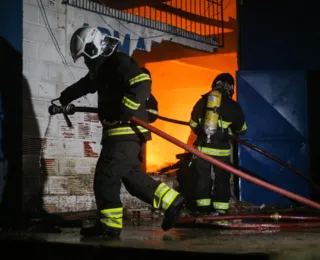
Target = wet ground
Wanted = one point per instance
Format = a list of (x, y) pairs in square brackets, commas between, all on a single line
[(203, 240), (267, 243)]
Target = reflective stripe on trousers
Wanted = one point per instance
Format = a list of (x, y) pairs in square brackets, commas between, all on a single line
[(215, 204), (112, 217), (164, 196), (203, 202), (214, 151), (221, 205)]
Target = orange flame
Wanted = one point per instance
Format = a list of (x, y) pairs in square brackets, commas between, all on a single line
[(178, 84)]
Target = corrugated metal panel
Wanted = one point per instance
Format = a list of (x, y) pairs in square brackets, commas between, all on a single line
[(275, 102), (275, 105)]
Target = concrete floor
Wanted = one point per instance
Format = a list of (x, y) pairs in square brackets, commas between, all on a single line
[(276, 244), (203, 240)]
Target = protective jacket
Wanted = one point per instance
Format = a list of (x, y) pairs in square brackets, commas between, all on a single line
[(231, 122), (152, 108), (122, 93)]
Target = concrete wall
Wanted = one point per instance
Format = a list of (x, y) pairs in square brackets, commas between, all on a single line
[(64, 172)]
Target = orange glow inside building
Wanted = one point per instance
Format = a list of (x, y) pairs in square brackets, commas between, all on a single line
[(179, 78)]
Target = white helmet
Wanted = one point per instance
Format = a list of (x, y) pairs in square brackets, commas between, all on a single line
[(89, 41)]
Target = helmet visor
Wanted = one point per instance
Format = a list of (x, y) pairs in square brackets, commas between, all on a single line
[(110, 45)]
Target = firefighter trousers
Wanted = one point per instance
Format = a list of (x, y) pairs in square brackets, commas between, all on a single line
[(211, 193), (121, 162)]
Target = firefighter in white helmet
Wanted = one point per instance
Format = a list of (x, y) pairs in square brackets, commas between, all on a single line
[(123, 89), (214, 117)]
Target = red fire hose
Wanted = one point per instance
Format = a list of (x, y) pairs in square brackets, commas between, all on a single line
[(53, 109), (274, 216), (215, 221), (255, 148), (227, 167), (309, 221), (266, 225)]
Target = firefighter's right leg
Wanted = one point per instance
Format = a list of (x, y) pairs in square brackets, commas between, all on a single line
[(222, 193), (203, 185), (112, 164), (155, 193)]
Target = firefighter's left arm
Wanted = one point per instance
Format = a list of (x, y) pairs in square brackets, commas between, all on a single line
[(239, 125), (196, 114), (137, 90), (152, 108)]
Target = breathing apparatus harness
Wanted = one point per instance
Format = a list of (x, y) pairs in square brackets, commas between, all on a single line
[(212, 117), (212, 125)]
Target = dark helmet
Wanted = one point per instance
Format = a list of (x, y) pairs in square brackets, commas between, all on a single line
[(225, 83)]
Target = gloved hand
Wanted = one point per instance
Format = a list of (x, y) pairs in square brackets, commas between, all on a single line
[(64, 100)]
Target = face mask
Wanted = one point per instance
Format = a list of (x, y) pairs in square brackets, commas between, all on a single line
[(224, 87)]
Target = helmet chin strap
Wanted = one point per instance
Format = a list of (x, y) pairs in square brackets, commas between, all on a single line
[(95, 64), (103, 56)]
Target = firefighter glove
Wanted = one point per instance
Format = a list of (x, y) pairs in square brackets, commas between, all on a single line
[(64, 100)]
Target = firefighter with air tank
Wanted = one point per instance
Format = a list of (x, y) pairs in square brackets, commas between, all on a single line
[(214, 117)]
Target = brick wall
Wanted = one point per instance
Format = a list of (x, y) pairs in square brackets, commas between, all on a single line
[(58, 161), (61, 179)]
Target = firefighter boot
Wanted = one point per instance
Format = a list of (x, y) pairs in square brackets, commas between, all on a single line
[(220, 212), (172, 214), (100, 231)]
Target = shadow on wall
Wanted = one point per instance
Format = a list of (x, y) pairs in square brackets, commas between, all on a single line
[(11, 135), (34, 166), (21, 179)]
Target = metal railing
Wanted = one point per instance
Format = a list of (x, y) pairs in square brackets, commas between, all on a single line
[(199, 20)]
